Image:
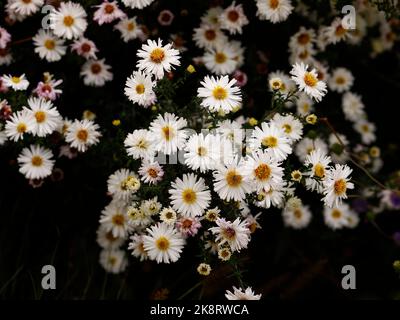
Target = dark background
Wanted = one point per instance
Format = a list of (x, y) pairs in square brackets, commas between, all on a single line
[(56, 224)]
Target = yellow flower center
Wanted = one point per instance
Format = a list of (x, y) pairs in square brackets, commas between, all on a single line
[(140, 89), (152, 173), (310, 80), (274, 4), (189, 196), (340, 31), (16, 79), (130, 26), (201, 151), (340, 80), (220, 57), (336, 214), (21, 128), (168, 132), (298, 213), (162, 243), (68, 21), (233, 178), (287, 128), (262, 172), (82, 135), (142, 144), (40, 116), (118, 219), (340, 187), (157, 55), (269, 142), (319, 171), (220, 93), (37, 161), (49, 44)]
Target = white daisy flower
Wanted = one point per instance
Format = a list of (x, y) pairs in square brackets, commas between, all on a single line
[(221, 59), (137, 247), (168, 134), (232, 131), (208, 36), (168, 215), (297, 217), (302, 40), (211, 17), (219, 94), (202, 152), (106, 240), (46, 116), (114, 219), (287, 85), (107, 12), (272, 138), (336, 184), (151, 172), (85, 48), (19, 123), (341, 80), (35, 162), (69, 20), (113, 261), (263, 171), (157, 59), (353, 107), (139, 4), (274, 197), (163, 243), (5, 38), (308, 82), (15, 82), (189, 195), (25, 7), (96, 73), (318, 163), (366, 129), (233, 18), (337, 217), (5, 58), (242, 294), (304, 104), (307, 145), (82, 134), (236, 234), (291, 126), (335, 32), (48, 46), (139, 89), (230, 182), (139, 144), (274, 10), (122, 184), (129, 29)]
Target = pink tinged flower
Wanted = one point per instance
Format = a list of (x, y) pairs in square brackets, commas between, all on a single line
[(188, 226), (240, 77), (48, 90), (5, 38), (5, 110), (3, 87), (68, 152), (85, 48), (165, 18), (108, 12)]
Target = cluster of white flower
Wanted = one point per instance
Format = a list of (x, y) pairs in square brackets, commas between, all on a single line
[(41, 119)]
